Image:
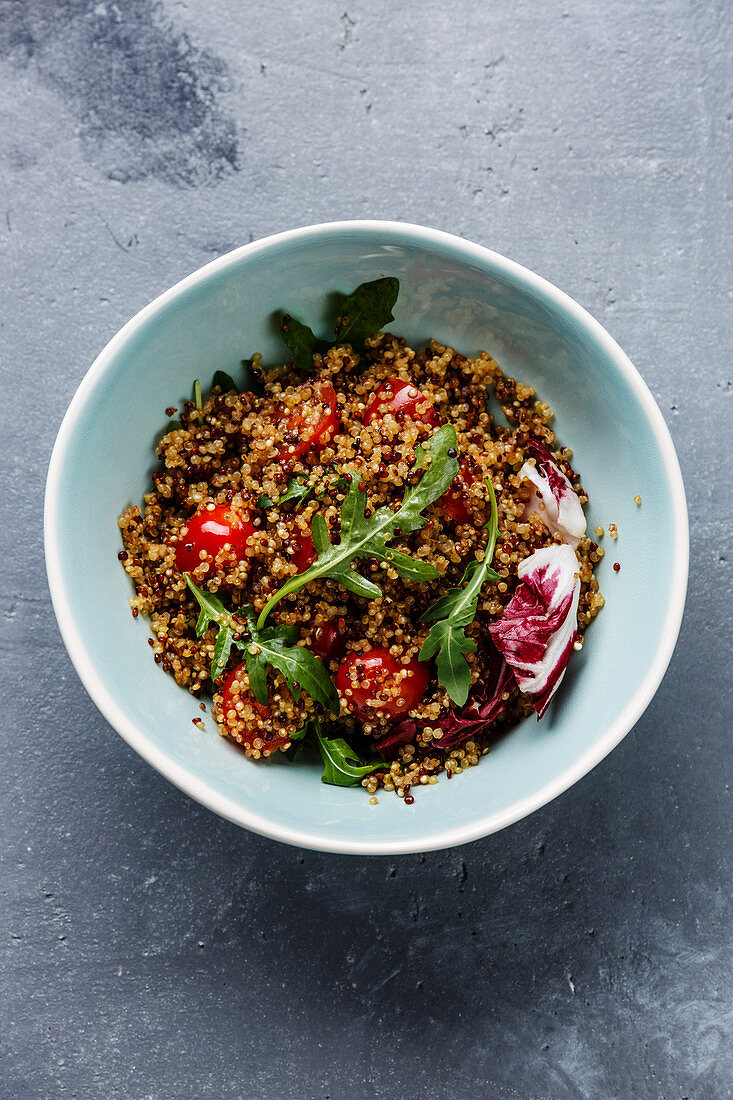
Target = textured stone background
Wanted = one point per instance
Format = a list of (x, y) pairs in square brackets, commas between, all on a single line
[(151, 950)]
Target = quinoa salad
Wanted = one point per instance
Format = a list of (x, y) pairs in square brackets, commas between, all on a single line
[(356, 552)]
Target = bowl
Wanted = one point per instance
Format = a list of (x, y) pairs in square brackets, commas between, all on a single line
[(463, 295)]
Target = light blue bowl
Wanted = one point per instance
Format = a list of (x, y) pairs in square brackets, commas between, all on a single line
[(462, 295)]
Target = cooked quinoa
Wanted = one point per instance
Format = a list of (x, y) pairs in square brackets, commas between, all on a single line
[(231, 453)]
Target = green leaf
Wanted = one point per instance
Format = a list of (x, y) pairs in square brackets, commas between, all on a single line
[(453, 612), (300, 667), (437, 478), (257, 676), (222, 649), (361, 313), (224, 381), (212, 609), (342, 766), (366, 537), (360, 586), (298, 490), (213, 612), (321, 537), (301, 341), (367, 310), (274, 647), (451, 644), (411, 569)]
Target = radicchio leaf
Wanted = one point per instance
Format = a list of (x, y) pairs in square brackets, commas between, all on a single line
[(538, 626), (485, 703), (553, 497)]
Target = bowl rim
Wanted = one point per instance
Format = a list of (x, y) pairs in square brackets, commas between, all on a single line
[(202, 791)]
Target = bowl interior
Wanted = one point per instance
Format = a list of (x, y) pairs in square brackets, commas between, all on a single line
[(462, 296)]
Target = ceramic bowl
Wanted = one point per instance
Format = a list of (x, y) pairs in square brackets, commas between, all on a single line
[(465, 296)]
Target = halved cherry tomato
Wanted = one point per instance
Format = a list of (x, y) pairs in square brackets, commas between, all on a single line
[(328, 641), (259, 730), (453, 503), (313, 424), (395, 396), (304, 553), (210, 530), (369, 684)]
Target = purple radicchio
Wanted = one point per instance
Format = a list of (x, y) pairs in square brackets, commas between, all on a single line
[(485, 703), (538, 626), (553, 497)]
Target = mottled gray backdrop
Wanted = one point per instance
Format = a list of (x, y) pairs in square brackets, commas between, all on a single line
[(152, 950)]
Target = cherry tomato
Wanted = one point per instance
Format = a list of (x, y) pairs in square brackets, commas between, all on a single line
[(313, 424), (304, 553), (328, 641), (235, 724), (453, 503), (210, 529), (394, 396), (368, 682)]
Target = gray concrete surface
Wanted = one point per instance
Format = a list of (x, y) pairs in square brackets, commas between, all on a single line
[(152, 950)]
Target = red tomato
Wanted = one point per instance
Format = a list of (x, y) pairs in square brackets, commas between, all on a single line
[(368, 683), (394, 396), (304, 553), (210, 529), (328, 641), (453, 503), (246, 737), (312, 425)]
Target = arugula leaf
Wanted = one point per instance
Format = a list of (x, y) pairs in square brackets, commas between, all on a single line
[(366, 537), (301, 668), (275, 646), (342, 766), (301, 341), (367, 310), (410, 569), (171, 426), (212, 610), (361, 313), (298, 490), (455, 611), (222, 649), (224, 381)]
